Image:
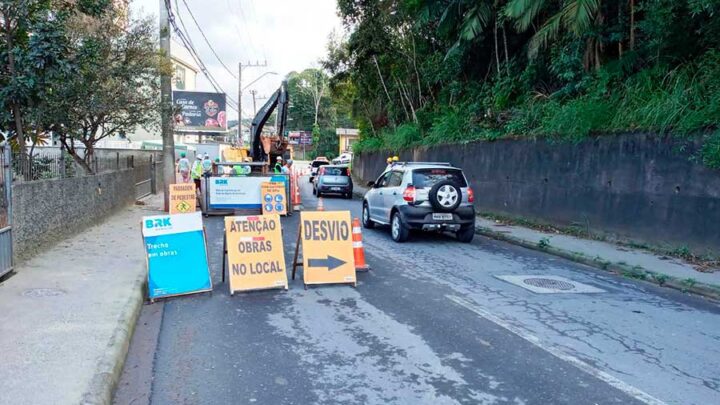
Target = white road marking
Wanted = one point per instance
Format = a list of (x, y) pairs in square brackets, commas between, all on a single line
[(595, 372)]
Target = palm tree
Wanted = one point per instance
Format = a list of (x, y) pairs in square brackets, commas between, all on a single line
[(574, 16), (469, 18)]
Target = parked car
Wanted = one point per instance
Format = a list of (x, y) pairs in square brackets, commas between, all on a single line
[(315, 164), (421, 196), (333, 180), (343, 159)]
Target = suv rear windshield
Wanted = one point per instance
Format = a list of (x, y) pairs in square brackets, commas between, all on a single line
[(335, 171), (318, 163), (423, 178)]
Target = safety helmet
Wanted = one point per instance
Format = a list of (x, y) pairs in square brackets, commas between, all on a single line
[(395, 159), (182, 154), (389, 159), (279, 158)]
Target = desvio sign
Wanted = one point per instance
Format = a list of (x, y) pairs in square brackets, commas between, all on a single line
[(176, 255)]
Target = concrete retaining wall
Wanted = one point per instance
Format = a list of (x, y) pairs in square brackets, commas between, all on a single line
[(47, 211), (642, 187)]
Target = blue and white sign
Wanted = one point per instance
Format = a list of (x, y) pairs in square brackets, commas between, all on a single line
[(242, 192), (176, 255)]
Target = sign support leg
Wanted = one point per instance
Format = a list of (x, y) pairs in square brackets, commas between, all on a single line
[(297, 251), (224, 255)]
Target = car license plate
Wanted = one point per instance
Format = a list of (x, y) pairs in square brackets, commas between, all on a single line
[(442, 217), (336, 188)]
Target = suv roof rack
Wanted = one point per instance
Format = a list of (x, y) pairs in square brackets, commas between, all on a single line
[(424, 163)]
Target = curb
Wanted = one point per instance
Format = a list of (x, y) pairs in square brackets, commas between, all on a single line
[(638, 273), (110, 365)]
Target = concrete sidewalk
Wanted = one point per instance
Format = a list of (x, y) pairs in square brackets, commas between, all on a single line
[(67, 315), (635, 263)]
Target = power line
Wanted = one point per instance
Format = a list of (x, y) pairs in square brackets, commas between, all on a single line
[(253, 12), (182, 23), (205, 38), (196, 57), (243, 44), (241, 14)]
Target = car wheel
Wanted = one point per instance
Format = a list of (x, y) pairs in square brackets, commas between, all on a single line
[(445, 196), (466, 235), (348, 196), (397, 230), (366, 221)]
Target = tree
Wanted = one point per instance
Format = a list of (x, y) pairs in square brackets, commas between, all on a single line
[(114, 88), (310, 85), (574, 16), (32, 59)]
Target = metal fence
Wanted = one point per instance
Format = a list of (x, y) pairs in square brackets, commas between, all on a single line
[(6, 253), (49, 165)]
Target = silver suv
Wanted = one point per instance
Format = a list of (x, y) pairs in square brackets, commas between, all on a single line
[(421, 196)]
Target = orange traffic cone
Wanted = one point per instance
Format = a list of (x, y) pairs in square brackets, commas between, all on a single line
[(320, 205), (358, 249), (297, 198)]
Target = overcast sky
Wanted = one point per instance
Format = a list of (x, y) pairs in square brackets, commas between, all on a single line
[(289, 34)]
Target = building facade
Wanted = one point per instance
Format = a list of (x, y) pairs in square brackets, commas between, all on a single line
[(346, 138)]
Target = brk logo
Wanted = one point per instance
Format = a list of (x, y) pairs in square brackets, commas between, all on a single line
[(157, 223), (221, 181)]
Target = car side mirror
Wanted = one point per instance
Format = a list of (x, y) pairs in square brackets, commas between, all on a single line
[(371, 184)]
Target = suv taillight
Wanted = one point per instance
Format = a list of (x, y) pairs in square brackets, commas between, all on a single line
[(471, 195), (409, 194)]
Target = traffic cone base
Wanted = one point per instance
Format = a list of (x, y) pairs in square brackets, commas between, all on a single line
[(358, 249), (320, 204)]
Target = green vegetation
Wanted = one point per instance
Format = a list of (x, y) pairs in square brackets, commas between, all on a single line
[(543, 243), (79, 70), (422, 72), (316, 109), (660, 278)]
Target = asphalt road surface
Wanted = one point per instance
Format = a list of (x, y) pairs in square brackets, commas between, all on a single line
[(430, 324)]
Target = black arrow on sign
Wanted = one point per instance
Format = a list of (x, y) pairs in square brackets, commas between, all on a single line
[(331, 263)]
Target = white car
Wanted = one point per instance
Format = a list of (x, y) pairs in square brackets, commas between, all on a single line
[(343, 159), (428, 196)]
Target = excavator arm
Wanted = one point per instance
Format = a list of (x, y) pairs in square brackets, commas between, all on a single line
[(260, 151)]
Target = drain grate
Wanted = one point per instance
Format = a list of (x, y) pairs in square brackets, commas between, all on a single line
[(43, 292), (549, 283)]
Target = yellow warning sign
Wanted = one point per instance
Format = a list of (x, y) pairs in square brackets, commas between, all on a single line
[(182, 198), (273, 198), (327, 247), (255, 253)]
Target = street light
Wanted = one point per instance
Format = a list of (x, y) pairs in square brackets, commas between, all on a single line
[(261, 76)]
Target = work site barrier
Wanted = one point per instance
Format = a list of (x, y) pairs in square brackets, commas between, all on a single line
[(232, 193)]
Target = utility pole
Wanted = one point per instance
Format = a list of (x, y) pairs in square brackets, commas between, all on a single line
[(168, 152), (254, 93), (241, 66)]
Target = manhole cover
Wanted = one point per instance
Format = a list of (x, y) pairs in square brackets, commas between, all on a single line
[(43, 292), (549, 283)]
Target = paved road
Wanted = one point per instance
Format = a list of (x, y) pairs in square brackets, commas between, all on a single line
[(431, 324)]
